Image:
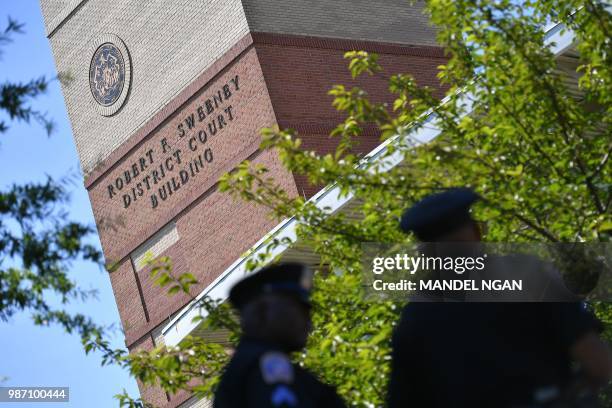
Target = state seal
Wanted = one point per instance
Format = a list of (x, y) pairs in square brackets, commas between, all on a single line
[(109, 73)]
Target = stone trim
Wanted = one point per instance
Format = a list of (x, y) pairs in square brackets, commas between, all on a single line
[(155, 246), (291, 40)]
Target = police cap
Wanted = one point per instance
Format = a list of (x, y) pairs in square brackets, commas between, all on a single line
[(438, 214), (292, 278)]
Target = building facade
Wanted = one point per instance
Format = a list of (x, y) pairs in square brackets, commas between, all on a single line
[(166, 96)]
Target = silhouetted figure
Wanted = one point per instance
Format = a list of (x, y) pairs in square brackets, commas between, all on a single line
[(467, 354), (274, 311)]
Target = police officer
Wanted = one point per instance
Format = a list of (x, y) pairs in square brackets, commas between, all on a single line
[(463, 354), (274, 309)]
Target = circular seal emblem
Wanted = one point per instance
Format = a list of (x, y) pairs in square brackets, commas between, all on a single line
[(109, 73)]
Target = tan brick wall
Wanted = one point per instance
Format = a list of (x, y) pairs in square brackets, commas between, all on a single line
[(170, 43), (388, 20), (54, 9)]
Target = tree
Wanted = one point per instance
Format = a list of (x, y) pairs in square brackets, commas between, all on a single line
[(511, 129), (37, 241)]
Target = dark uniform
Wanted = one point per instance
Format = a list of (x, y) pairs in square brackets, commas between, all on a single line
[(260, 373), (458, 354), (484, 354)]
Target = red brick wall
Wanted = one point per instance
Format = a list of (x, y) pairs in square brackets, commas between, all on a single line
[(214, 230), (213, 234), (299, 71), (281, 79), (127, 293)]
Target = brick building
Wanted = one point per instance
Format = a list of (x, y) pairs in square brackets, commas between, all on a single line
[(166, 96)]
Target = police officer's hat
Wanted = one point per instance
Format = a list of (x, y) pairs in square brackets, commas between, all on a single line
[(291, 278), (439, 213)]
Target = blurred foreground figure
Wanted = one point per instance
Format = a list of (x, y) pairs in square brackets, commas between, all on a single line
[(274, 311), (514, 355)]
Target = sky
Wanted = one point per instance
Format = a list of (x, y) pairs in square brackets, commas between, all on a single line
[(47, 356)]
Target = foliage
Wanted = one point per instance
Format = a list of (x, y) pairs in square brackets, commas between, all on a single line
[(33, 231), (511, 129)]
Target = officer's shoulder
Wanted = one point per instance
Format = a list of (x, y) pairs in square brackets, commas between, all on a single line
[(418, 317), (243, 362), (417, 311)]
